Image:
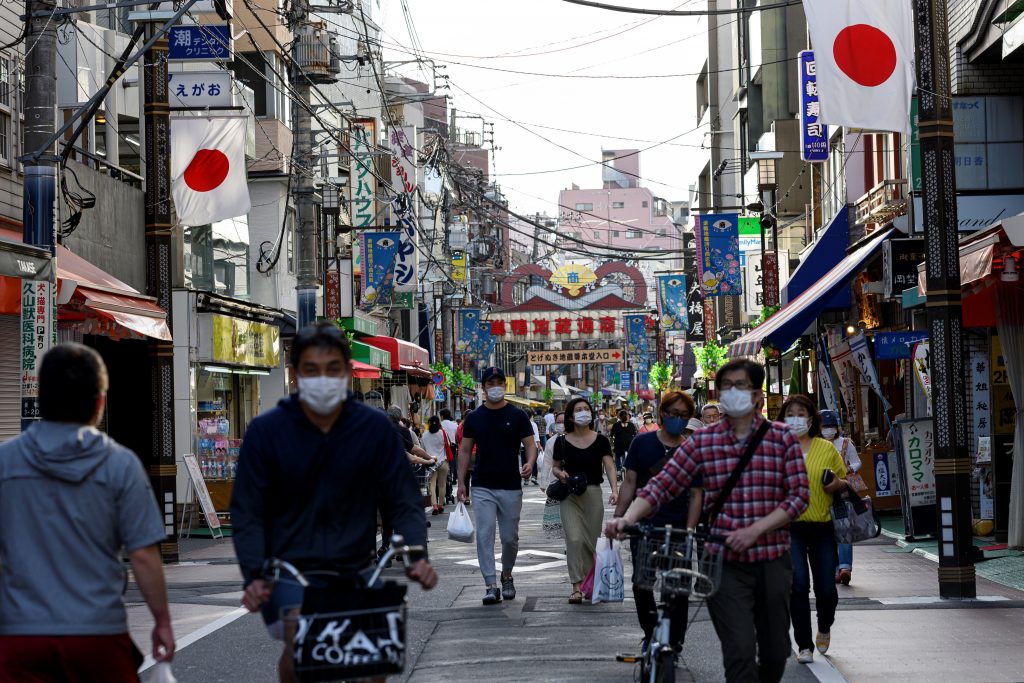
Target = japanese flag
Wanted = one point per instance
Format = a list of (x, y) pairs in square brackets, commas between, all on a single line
[(208, 179), (864, 50)]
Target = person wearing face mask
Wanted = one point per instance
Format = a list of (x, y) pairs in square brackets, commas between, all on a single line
[(812, 535), (623, 433), (312, 474), (647, 455), (750, 611), (580, 454), (433, 442), (552, 513), (496, 429), (649, 424), (831, 431)]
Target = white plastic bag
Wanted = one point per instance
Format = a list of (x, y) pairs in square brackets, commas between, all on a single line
[(162, 673), (460, 526), (609, 585)]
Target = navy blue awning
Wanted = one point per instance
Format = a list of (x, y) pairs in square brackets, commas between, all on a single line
[(825, 255)]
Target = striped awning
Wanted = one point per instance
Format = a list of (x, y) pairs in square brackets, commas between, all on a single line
[(783, 328)]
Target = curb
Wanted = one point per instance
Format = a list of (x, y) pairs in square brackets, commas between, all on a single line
[(904, 544)]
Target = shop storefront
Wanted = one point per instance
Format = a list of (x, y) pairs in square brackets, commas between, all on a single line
[(409, 384), (231, 354), (371, 369)]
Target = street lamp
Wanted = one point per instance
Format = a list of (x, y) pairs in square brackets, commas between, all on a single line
[(767, 187)]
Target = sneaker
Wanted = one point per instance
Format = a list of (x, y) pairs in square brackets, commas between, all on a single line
[(492, 596), (805, 656), (822, 641), (508, 589), (643, 646), (845, 575)]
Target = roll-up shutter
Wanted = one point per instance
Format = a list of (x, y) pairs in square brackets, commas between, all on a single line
[(10, 377)]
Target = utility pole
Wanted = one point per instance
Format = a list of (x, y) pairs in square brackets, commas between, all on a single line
[(304, 162), (157, 125), (39, 215), (945, 317)]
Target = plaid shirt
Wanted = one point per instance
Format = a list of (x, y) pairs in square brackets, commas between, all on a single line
[(774, 478)]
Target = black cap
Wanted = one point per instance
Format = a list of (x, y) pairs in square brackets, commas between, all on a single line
[(490, 373)]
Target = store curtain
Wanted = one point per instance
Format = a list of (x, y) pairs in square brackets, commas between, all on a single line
[(1010, 325)]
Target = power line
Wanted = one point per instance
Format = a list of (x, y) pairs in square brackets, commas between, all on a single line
[(683, 13)]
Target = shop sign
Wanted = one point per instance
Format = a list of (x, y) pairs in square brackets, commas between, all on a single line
[(755, 280), (380, 251), (922, 359), (750, 236), (626, 381), (695, 313), (245, 342), (813, 133), (202, 492), (917, 444), (37, 318), (976, 212), (191, 89), (718, 254), (897, 345), (458, 265), (332, 295), (862, 359), (900, 258), (885, 485), (542, 326), (205, 43), (571, 356), (709, 322), (981, 393), (363, 186)]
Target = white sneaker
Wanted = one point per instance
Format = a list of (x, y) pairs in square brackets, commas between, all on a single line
[(805, 656), (822, 641)]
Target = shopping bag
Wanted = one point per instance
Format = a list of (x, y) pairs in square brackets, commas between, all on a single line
[(854, 518), (460, 526), (608, 576), (587, 587), (162, 673)]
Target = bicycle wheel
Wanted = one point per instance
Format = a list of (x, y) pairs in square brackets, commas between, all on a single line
[(665, 671)]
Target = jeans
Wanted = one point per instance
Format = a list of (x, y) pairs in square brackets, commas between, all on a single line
[(501, 509), (619, 457), (813, 545), (647, 610), (845, 556), (750, 613)]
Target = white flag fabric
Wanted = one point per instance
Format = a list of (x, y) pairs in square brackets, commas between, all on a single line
[(864, 51), (208, 179)]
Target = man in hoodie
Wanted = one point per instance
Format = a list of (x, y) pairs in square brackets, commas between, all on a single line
[(70, 499), (311, 476)]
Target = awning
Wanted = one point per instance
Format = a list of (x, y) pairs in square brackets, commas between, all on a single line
[(405, 356), (783, 328), (22, 261), (361, 370), (524, 402), (371, 355), (825, 254)]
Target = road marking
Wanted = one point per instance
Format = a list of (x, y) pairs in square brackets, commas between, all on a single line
[(198, 634), (557, 563), (823, 669), (932, 599)]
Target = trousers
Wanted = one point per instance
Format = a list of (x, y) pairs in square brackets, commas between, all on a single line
[(750, 613), (496, 510), (814, 547)]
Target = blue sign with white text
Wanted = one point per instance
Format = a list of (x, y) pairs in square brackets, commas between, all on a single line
[(199, 43), (813, 133), (897, 345)]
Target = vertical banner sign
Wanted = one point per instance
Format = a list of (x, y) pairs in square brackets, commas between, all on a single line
[(362, 184), (981, 393), (467, 334), (636, 338), (695, 314), (915, 457), (718, 263), (379, 249), (750, 237), (771, 278), (862, 357), (754, 280), (921, 358), (825, 382), (843, 365), (709, 320), (485, 341), (813, 133), (403, 179), (458, 265), (332, 295), (37, 317), (900, 258), (672, 304)]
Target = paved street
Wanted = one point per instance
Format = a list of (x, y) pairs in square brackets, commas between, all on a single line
[(890, 626)]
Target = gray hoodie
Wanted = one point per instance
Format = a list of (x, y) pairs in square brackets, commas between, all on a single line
[(70, 499)]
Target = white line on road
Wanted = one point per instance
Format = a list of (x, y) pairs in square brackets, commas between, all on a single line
[(199, 633), (823, 670)]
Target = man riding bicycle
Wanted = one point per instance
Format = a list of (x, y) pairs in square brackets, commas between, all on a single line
[(311, 476)]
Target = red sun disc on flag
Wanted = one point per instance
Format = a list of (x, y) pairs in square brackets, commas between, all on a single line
[(207, 171), (865, 54)]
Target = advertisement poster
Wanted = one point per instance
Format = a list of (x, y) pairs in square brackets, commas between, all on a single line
[(37, 314), (379, 249), (718, 255), (672, 303), (813, 133), (922, 371), (467, 334), (636, 337)]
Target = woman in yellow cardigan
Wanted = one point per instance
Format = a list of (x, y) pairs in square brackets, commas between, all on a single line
[(812, 537)]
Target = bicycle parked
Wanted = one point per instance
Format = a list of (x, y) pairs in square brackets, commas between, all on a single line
[(683, 563), (346, 632)]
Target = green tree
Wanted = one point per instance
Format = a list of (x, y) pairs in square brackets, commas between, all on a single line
[(660, 377)]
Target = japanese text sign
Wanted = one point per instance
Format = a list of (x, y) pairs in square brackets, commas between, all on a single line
[(363, 184), (917, 444), (813, 133), (199, 89), (199, 43), (897, 345), (571, 356)]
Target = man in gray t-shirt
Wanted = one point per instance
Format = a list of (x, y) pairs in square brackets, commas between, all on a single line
[(70, 499)]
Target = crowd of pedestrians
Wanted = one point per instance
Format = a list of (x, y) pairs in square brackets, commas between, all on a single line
[(321, 473)]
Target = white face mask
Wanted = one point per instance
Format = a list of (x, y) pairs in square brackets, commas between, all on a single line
[(323, 394), (830, 433), (558, 427), (736, 402), (582, 418), (799, 424), (495, 394)]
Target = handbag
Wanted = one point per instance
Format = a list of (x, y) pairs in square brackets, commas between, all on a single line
[(854, 518), (708, 518), (557, 490)]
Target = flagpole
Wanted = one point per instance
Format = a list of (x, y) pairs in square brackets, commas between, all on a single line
[(945, 319)]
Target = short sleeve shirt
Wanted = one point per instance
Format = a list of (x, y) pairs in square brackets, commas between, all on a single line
[(587, 461), (497, 435), (646, 456)]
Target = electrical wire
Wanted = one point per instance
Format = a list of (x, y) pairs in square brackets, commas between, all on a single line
[(684, 13)]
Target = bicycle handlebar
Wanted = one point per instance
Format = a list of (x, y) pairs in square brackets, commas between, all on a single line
[(272, 566), (643, 530)]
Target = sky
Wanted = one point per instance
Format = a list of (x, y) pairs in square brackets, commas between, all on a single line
[(473, 39)]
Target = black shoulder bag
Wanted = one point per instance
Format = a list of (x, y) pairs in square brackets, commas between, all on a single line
[(556, 489), (709, 517)]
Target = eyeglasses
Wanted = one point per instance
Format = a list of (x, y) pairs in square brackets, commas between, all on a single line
[(676, 413), (742, 386)]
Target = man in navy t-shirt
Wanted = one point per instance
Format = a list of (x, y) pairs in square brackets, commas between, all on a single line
[(647, 454), (496, 429)]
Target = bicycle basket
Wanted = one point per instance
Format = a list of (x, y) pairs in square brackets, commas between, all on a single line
[(685, 565), (351, 634)]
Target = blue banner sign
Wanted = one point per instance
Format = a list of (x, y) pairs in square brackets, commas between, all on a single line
[(209, 42), (718, 254), (672, 303), (897, 345), (380, 249), (813, 133)]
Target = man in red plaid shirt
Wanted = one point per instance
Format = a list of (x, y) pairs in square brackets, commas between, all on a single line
[(751, 609)]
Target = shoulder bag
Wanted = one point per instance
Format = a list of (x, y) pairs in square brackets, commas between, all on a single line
[(556, 489), (709, 517)]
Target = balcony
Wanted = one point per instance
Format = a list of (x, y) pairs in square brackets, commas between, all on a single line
[(882, 203)]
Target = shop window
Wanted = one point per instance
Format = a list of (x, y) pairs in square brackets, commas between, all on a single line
[(226, 403)]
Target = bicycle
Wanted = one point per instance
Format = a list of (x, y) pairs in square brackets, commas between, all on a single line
[(352, 629), (682, 563)]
